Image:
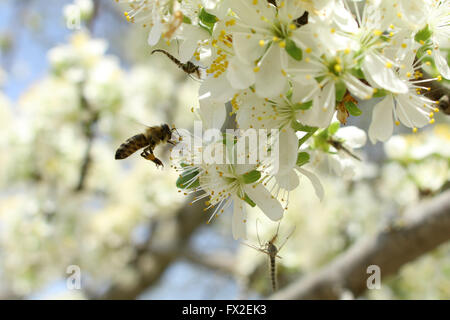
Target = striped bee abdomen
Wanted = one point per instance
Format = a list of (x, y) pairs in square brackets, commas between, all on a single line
[(131, 146)]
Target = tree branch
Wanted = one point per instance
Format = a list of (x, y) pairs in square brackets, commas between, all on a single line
[(223, 262), (153, 260), (426, 227)]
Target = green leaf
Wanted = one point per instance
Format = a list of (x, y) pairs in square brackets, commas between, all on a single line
[(423, 35), (353, 109), (184, 179), (206, 17), (249, 201), (302, 158), (294, 51), (358, 73), (251, 176), (187, 20), (341, 88), (380, 93), (333, 128), (297, 126), (303, 106), (207, 20)]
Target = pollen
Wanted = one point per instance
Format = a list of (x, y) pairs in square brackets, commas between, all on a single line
[(282, 44), (256, 69), (397, 123), (388, 65), (262, 43), (414, 130), (377, 33)]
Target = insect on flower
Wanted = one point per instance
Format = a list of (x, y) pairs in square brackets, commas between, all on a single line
[(187, 67), (271, 250)]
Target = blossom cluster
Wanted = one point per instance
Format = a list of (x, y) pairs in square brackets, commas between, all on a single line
[(294, 66), (46, 224)]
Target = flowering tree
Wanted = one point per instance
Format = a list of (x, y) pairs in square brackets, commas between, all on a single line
[(276, 92), (292, 66)]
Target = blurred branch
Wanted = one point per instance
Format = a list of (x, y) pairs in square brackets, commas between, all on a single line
[(426, 226), (91, 22), (221, 261), (88, 128), (156, 258)]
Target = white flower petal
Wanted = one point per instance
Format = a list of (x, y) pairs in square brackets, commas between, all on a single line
[(441, 64), (246, 46), (219, 88), (376, 71), (212, 113), (289, 181), (287, 151), (410, 111), (189, 43), (265, 201), (155, 33), (382, 125), (357, 87), (353, 136), (317, 185), (240, 75), (270, 81)]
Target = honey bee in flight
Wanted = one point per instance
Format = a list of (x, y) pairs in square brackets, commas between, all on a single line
[(187, 67), (149, 139)]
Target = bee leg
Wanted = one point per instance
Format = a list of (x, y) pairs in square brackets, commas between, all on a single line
[(171, 142), (148, 154)]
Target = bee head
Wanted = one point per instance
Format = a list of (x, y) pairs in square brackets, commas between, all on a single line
[(167, 131)]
